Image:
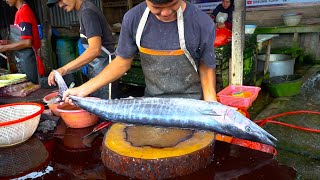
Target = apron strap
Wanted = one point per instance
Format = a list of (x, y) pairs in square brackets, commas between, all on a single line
[(182, 39), (109, 56), (102, 48), (180, 23), (141, 25)]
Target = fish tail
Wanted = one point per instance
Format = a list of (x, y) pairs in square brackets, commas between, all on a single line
[(61, 83)]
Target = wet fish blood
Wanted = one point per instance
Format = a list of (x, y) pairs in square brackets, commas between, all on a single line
[(68, 107)]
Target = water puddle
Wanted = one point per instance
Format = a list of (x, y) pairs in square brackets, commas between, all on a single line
[(311, 89)]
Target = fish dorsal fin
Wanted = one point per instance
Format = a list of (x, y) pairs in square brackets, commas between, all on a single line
[(129, 97), (220, 106)]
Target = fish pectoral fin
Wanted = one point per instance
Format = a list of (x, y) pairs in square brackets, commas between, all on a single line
[(208, 112), (72, 85)]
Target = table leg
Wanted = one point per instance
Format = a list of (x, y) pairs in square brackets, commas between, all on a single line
[(267, 57), (295, 43)]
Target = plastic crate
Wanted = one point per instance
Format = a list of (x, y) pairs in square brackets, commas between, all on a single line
[(226, 96), (284, 86)]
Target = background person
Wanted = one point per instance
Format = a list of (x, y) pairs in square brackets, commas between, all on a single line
[(96, 37), (222, 14), (25, 41)]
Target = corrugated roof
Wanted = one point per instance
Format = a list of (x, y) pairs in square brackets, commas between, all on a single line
[(59, 18)]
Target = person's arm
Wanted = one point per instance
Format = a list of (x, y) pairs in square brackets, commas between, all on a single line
[(22, 19), (208, 82), (216, 11), (207, 59), (93, 51), (87, 56), (22, 44), (228, 25), (228, 22), (220, 25), (110, 73)]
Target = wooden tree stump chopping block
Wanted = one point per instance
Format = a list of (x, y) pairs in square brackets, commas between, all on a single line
[(146, 152)]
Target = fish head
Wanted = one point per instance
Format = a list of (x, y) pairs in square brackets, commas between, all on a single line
[(61, 83), (241, 127)]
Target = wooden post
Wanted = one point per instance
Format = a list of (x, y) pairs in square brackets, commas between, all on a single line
[(267, 57), (238, 37), (46, 52), (130, 4), (101, 6), (295, 43)]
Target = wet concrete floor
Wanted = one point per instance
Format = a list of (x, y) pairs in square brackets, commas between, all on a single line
[(296, 148), (65, 157)]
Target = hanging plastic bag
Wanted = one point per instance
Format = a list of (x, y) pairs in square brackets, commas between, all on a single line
[(222, 37), (221, 17)]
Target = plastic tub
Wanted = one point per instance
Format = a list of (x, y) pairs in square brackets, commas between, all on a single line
[(280, 86), (52, 107), (279, 65), (292, 19), (76, 117), (229, 96), (250, 28)]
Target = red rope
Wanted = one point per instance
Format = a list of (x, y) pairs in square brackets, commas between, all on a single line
[(270, 119)]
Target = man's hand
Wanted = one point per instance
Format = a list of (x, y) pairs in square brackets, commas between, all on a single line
[(4, 42), (51, 79), (220, 25), (213, 98), (2, 48), (77, 91), (208, 82)]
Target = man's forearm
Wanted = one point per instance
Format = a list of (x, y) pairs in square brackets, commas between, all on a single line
[(22, 44), (110, 73), (208, 82), (93, 51), (85, 58)]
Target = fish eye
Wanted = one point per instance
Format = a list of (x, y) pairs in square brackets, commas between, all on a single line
[(248, 129)]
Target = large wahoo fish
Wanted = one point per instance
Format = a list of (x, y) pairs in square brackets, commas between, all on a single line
[(175, 113)]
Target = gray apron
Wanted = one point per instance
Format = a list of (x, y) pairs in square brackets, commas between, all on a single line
[(169, 73), (26, 61), (96, 66)]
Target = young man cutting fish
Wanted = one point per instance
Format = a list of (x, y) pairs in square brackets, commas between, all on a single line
[(96, 37), (175, 41)]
